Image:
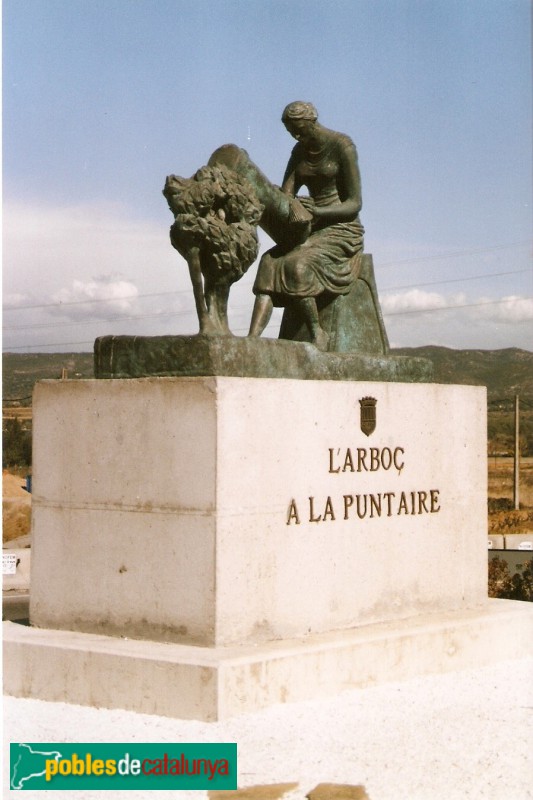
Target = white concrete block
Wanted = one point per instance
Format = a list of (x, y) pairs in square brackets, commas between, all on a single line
[(217, 511)]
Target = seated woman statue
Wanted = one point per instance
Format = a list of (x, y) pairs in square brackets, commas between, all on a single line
[(326, 163)]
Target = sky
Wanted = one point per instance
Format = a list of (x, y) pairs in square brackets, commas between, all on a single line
[(104, 98)]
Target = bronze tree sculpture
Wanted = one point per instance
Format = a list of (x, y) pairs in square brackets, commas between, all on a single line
[(215, 217)]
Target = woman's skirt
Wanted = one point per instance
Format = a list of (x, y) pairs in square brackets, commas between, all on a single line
[(323, 263)]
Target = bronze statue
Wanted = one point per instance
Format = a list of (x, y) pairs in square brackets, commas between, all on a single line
[(319, 239), (326, 163), (317, 270)]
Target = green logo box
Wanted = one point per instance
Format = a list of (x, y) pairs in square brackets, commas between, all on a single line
[(117, 767)]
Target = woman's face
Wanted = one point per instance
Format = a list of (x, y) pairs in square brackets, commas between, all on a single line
[(300, 129)]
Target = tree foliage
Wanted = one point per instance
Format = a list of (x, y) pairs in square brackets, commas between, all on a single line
[(16, 445), (510, 587)]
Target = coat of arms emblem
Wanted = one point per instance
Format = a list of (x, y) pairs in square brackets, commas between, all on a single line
[(368, 414)]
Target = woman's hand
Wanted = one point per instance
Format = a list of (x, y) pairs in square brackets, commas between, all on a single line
[(309, 204), (317, 212), (322, 216)]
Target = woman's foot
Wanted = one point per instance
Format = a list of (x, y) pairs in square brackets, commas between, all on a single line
[(321, 340)]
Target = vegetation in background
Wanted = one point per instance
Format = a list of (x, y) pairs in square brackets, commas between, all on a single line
[(22, 370), (509, 520), (510, 587), (16, 444)]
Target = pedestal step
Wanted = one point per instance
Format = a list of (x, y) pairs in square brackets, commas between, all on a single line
[(215, 683)]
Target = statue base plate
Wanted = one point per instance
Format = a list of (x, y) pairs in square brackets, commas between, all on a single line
[(239, 357)]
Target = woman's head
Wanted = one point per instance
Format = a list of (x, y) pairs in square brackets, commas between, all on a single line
[(299, 111), (299, 118)]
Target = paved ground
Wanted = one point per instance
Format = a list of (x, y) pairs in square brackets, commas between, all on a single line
[(461, 736)]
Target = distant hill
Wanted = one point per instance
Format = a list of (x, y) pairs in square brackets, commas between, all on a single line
[(22, 370), (504, 372)]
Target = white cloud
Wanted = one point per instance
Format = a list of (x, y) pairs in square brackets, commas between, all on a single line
[(416, 317), (100, 298), (15, 300), (66, 255), (47, 248), (412, 300), (509, 309)]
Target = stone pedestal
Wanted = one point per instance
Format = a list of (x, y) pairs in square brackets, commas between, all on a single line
[(250, 541), (219, 511)]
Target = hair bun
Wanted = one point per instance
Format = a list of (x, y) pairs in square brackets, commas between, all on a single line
[(300, 110)]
